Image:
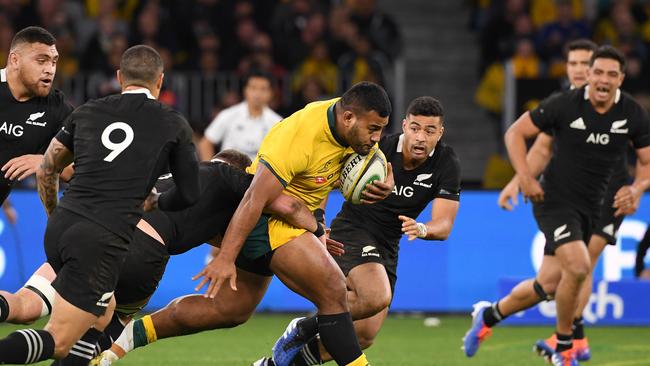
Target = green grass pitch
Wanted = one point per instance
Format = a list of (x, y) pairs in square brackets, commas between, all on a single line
[(402, 341)]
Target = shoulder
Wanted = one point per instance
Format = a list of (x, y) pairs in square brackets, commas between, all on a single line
[(388, 143), (271, 116), (447, 155), (233, 111)]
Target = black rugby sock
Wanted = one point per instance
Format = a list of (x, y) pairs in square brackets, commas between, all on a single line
[(26, 346), (337, 334), (308, 327), (83, 351), (492, 316), (111, 333), (578, 328), (564, 342)]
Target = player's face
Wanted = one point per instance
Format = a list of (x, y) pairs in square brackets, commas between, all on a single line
[(605, 77), (365, 130), (421, 134), (258, 92), (36, 67), (577, 65)]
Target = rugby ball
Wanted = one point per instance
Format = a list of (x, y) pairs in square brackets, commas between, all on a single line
[(360, 170)]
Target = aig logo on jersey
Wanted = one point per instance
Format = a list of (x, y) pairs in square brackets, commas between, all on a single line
[(598, 138), (11, 129)]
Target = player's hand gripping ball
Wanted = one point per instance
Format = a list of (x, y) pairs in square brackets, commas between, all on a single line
[(360, 170)]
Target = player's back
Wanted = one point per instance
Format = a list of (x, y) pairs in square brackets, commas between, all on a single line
[(121, 144), (222, 188)]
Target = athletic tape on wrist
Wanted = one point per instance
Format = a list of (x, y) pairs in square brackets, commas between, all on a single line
[(422, 230)]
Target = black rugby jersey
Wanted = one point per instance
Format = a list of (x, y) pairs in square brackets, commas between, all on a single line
[(27, 127), (121, 144), (222, 188), (437, 177), (588, 146)]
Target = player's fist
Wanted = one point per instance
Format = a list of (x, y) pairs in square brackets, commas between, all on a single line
[(508, 198), (531, 189), (335, 248), (626, 200)]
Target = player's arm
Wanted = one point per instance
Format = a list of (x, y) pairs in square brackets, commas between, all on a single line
[(537, 157), (292, 211), (57, 156), (515, 140), (626, 200), (264, 189), (443, 214), (10, 212)]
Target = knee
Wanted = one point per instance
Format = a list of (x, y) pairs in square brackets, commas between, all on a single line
[(578, 270), (236, 316), (334, 293)]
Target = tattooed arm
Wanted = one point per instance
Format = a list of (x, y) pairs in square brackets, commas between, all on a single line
[(55, 159)]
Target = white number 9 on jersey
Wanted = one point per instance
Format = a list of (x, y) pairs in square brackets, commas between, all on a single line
[(116, 147)]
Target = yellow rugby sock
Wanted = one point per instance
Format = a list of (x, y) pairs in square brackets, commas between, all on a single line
[(361, 361)]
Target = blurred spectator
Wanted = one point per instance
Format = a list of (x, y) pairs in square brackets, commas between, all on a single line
[(525, 63), (361, 64), (499, 28), (377, 26), (544, 12), (6, 35), (311, 90), (104, 82), (317, 66), (244, 125), (555, 35)]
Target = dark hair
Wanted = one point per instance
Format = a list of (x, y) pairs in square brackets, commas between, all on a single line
[(256, 73), (366, 96), (140, 65), (425, 106), (610, 53), (235, 158), (33, 35), (582, 44)]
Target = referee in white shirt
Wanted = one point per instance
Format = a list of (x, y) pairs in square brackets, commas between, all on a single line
[(243, 126)]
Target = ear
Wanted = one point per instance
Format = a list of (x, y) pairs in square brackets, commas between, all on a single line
[(13, 59), (442, 132), (348, 117), (404, 125), (119, 78)]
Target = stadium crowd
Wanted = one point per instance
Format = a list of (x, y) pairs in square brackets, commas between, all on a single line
[(533, 35), (312, 48)]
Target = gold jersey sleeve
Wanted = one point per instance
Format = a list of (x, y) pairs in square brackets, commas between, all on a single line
[(305, 153)]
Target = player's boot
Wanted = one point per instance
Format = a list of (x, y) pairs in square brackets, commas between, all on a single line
[(264, 361), (566, 358), (478, 332), (289, 344), (546, 347), (581, 348)]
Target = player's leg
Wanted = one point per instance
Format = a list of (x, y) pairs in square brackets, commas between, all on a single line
[(574, 259), (597, 244), (32, 301), (192, 314), (304, 265), (369, 295), (524, 295)]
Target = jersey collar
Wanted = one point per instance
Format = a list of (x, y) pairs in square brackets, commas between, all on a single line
[(616, 99), (400, 142), (3, 75), (144, 91), (331, 122)]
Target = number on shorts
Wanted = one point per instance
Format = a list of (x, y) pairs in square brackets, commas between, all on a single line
[(116, 148)]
